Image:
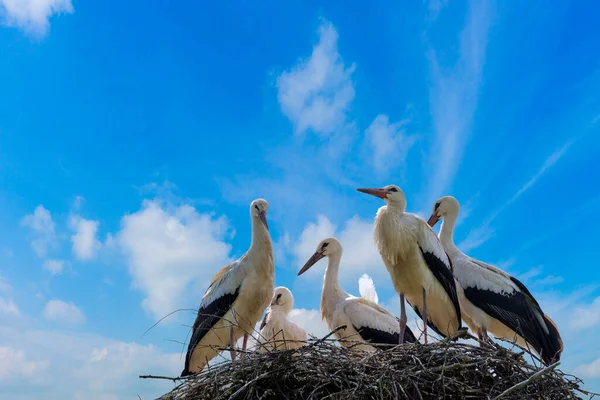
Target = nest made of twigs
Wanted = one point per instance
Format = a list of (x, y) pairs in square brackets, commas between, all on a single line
[(322, 369)]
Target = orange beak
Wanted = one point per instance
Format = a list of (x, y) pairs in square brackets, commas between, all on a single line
[(374, 192), (433, 220)]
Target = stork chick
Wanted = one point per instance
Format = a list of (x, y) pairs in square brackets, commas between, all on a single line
[(276, 331), (418, 265), (236, 297), (493, 300), (365, 320)]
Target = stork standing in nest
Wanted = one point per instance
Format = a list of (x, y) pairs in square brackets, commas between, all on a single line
[(418, 265), (277, 332), (493, 300), (365, 320), (235, 299)]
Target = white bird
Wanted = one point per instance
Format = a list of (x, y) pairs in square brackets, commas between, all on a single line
[(365, 320), (276, 331), (418, 265), (493, 300), (236, 298)]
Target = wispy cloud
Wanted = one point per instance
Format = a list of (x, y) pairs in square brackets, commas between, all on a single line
[(33, 15), (84, 239), (550, 161), (454, 94), (61, 311), (316, 93), (55, 267), (484, 232), (389, 143), (43, 229)]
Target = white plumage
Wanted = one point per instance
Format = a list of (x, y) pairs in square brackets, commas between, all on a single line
[(491, 299), (365, 320), (276, 331), (418, 265), (235, 299), (366, 288)]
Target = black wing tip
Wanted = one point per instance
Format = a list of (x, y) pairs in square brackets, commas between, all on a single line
[(409, 336), (185, 373)]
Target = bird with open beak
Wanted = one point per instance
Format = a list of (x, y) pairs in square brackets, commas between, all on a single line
[(417, 263)]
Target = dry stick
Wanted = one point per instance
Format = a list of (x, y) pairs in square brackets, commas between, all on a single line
[(531, 379), (169, 378)]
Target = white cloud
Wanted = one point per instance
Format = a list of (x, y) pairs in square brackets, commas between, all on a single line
[(84, 240), (584, 317), (60, 311), (310, 321), (33, 15), (390, 143), (359, 256), (4, 285), (454, 96), (55, 267), (591, 370), (172, 252), (14, 365), (316, 94), (66, 365), (8, 307), (40, 222)]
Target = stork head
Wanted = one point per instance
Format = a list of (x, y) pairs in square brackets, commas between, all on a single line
[(326, 248), (282, 299), (258, 209), (446, 207), (391, 194)]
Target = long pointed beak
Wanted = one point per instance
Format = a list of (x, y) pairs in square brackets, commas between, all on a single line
[(311, 261), (374, 192), (433, 219), (263, 218)]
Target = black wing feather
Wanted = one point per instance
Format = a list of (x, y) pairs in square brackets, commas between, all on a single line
[(376, 336), (444, 276), (516, 311), (207, 317)]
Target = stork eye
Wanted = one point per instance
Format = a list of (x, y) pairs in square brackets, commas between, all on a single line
[(393, 189), (278, 296), (437, 205), (324, 245), (256, 206)]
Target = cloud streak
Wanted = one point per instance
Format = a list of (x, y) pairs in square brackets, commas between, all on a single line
[(453, 96)]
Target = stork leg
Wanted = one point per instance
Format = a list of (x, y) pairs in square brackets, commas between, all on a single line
[(424, 315), (245, 343), (231, 344), (402, 319), (483, 336)]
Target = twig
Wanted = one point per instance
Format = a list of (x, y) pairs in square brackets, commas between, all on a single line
[(170, 378), (526, 382)]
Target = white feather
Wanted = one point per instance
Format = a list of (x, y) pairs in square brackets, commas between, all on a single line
[(366, 287)]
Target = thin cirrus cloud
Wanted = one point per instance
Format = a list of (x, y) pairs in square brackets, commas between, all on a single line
[(33, 16), (484, 232), (454, 95)]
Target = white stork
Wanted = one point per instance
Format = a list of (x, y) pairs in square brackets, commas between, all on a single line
[(365, 320), (419, 267), (493, 300), (235, 299), (276, 331)]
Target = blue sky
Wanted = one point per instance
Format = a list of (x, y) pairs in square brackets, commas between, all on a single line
[(134, 136)]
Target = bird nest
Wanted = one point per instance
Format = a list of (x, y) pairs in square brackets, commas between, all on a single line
[(322, 369)]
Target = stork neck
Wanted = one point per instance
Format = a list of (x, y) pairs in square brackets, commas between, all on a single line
[(447, 231), (261, 240), (332, 291)]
